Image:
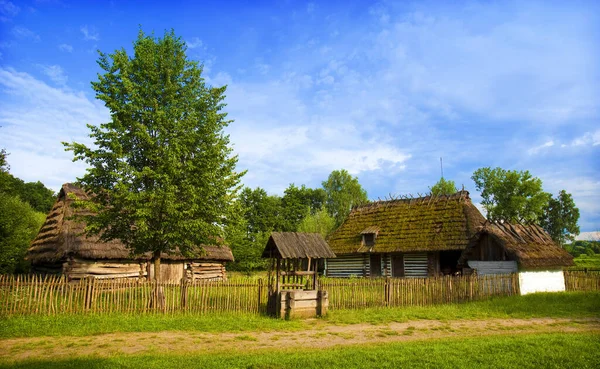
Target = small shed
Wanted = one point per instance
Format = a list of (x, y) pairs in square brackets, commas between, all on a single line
[(62, 247), (293, 288), (501, 248)]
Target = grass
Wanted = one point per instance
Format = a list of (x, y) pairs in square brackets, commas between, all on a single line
[(557, 350), (539, 305), (554, 305), (587, 261)]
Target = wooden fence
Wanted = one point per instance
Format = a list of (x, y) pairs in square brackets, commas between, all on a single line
[(379, 292), (582, 280), (54, 295)]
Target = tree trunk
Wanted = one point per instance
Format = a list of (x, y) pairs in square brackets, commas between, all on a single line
[(157, 266)]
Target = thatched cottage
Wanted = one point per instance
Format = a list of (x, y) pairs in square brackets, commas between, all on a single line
[(416, 237), (61, 247), (499, 248)]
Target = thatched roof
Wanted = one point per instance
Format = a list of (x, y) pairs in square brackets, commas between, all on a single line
[(62, 237), (529, 245), (296, 245), (427, 223)]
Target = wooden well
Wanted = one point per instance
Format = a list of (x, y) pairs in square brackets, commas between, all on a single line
[(293, 283)]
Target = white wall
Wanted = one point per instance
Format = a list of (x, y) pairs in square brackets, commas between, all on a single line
[(541, 281)]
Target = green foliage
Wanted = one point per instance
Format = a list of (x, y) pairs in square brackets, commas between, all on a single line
[(3, 163), (342, 193), (560, 218), (19, 224), (35, 194), (161, 170), (443, 187), (510, 195), (319, 222), (297, 202), (583, 248)]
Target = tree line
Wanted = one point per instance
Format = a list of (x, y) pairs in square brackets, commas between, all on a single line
[(23, 208), (164, 176)]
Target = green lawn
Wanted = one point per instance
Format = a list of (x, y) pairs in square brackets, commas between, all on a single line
[(586, 261), (556, 305), (580, 350)]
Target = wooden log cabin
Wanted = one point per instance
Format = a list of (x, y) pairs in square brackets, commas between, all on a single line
[(412, 237), (502, 248), (61, 247)]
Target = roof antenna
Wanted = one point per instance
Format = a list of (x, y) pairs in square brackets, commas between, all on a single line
[(442, 167)]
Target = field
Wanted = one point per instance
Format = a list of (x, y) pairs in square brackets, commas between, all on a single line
[(540, 330), (587, 261)]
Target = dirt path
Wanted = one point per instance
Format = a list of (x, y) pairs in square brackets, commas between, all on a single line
[(320, 336)]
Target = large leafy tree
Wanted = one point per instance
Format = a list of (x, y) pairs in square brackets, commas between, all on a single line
[(510, 195), (443, 187), (161, 171), (343, 191), (560, 218)]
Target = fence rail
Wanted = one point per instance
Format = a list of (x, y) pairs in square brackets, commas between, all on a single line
[(28, 294)]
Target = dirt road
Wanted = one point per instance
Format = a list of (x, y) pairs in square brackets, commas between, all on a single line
[(319, 335)]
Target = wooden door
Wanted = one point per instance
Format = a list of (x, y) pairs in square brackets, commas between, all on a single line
[(397, 266), (375, 262)]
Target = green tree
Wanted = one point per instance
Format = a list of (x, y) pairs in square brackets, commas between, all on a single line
[(19, 224), (319, 222), (443, 187), (161, 170), (510, 195), (297, 202), (342, 193), (560, 218), (3, 163), (262, 212)]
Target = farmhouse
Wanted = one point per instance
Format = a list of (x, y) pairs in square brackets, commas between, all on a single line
[(61, 247), (499, 248), (412, 237)]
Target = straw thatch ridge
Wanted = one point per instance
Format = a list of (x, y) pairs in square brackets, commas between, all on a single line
[(62, 237), (529, 245), (297, 245), (429, 223)]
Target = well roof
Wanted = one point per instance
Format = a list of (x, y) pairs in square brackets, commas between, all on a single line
[(529, 245), (429, 223), (61, 237), (297, 245)]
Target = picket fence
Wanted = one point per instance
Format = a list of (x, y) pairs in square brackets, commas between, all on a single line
[(50, 295)]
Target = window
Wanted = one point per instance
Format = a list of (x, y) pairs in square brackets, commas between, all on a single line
[(369, 239)]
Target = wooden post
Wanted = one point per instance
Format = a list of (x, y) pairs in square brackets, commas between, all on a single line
[(260, 288), (184, 296), (388, 291)]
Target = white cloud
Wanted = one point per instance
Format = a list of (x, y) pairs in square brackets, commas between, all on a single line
[(194, 43), (89, 33), (35, 119), (55, 73), (536, 149), (25, 33), (589, 236), (65, 47), (8, 9), (588, 139)]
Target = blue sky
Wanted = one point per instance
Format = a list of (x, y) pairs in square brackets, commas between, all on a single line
[(381, 89)]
